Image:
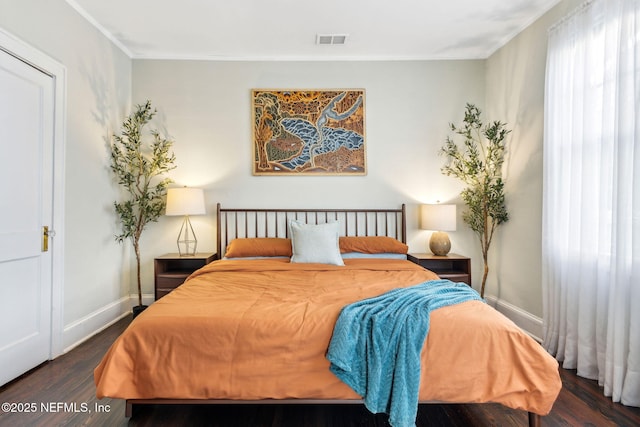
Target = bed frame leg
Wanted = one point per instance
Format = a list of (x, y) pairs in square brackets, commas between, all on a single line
[(534, 420)]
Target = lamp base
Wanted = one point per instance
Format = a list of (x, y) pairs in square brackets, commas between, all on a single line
[(439, 243), (187, 242), (187, 248)]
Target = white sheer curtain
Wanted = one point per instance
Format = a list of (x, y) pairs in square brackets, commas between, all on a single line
[(591, 202)]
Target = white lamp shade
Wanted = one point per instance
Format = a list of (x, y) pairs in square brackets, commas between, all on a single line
[(185, 201), (438, 217)]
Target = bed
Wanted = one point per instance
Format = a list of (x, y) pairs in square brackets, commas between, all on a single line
[(255, 326)]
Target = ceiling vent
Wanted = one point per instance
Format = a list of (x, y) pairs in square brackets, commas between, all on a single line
[(331, 38)]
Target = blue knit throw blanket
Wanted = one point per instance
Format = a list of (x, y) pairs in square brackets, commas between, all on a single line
[(376, 345)]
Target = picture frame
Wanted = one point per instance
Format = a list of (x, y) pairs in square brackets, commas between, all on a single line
[(309, 132)]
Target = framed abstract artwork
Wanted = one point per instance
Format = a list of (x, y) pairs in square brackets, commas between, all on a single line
[(309, 132)]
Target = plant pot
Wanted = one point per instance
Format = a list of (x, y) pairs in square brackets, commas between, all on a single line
[(138, 309)]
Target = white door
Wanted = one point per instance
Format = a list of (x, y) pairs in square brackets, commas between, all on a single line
[(26, 202)]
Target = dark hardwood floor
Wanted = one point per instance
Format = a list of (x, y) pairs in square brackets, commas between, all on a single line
[(61, 393)]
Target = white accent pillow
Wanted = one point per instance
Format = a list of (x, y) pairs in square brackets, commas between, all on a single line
[(315, 243)]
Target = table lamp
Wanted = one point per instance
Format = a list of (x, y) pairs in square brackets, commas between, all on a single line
[(438, 218), (185, 201)]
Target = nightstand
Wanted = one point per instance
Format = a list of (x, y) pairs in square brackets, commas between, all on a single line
[(171, 270), (454, 267)]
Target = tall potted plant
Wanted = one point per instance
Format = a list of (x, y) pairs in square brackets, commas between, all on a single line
[(138, 168), (478, 163)]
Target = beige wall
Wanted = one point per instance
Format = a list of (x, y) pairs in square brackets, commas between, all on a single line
[(98, 95), (206, 107), (515, 78)]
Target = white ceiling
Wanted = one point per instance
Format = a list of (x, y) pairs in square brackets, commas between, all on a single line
[(287, 29)]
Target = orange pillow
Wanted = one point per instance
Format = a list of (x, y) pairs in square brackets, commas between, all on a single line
[(372, 245), (258, 247)]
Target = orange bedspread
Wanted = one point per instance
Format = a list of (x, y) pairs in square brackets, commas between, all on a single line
[(260, 329)]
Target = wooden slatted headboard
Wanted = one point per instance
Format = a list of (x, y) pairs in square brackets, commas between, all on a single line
[(239, 223)]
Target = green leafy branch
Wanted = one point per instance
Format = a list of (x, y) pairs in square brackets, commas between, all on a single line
[(138, 169), (478, 163)]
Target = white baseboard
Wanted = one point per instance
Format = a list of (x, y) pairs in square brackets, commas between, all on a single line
[(147, 299), (82, 329), (526, 321)]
